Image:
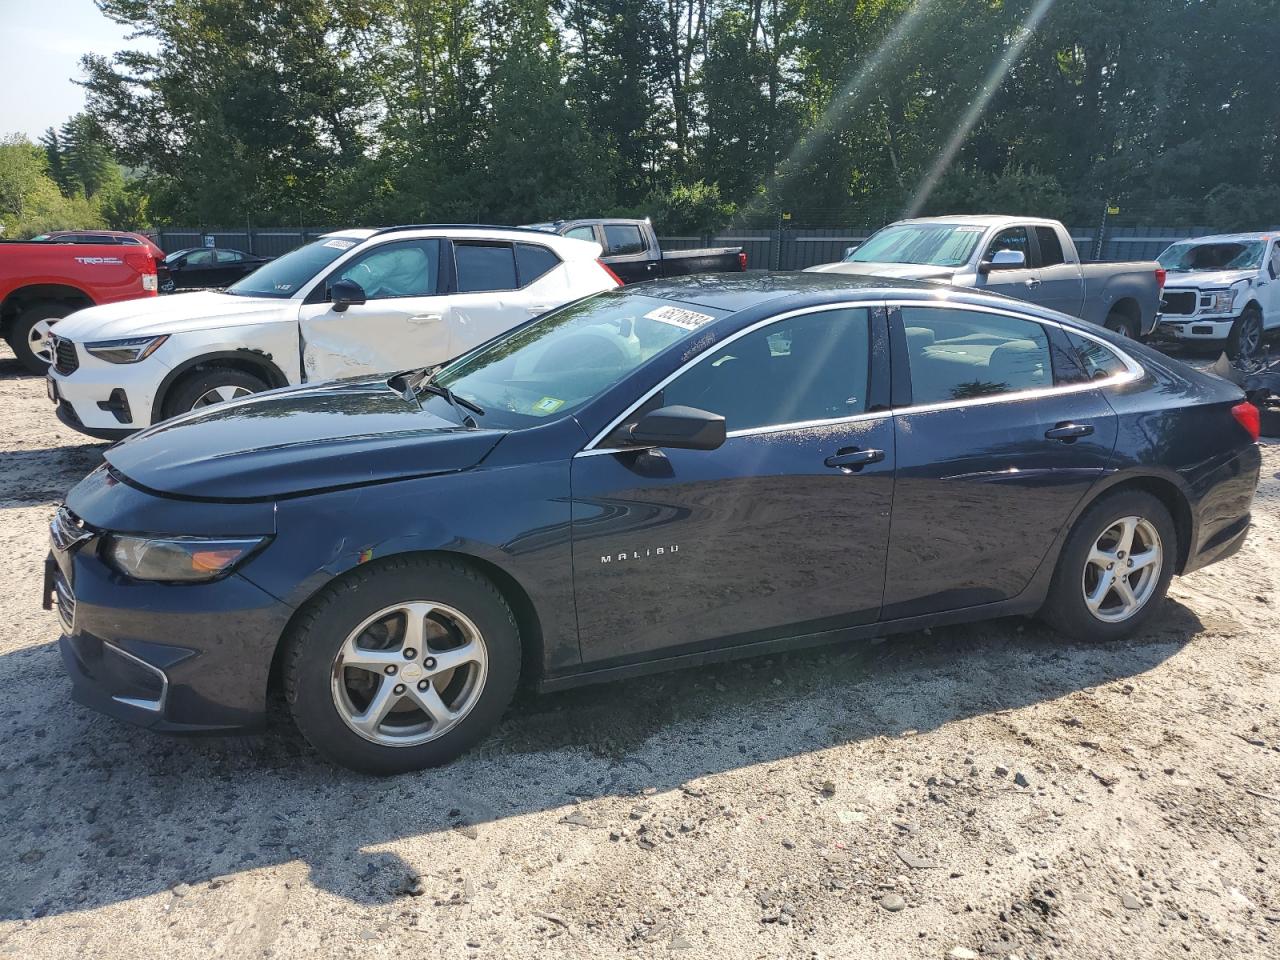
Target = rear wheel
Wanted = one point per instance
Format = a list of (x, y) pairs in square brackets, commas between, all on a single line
[(28, 334), (209, 387), (1245, 340), (1114, 568), (403, 665), (1120, 322)]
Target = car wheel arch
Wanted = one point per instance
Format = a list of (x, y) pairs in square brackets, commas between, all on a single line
[(247, 361), (24, 297), (1129, 309), (513, 592), (1167, 491)]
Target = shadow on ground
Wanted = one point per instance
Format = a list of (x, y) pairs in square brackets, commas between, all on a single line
[(97, 812)]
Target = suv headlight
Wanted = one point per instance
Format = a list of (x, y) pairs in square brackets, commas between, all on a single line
[(178, 559), (126, 351)]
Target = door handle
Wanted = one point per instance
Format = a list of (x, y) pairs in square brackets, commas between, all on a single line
[(1069, 432), (1032, 282), (427, 318), (851, 459)]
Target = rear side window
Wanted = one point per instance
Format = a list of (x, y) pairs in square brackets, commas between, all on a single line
[(622, 238), (230, 256), (484, 266), (1097, 360), (812, 367), (533, 261), (962, 354), (1050, 247)]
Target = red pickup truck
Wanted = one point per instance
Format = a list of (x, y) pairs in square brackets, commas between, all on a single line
[(42, 282)]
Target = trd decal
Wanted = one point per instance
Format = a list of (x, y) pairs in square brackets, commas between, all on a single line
[(99, 261), (647, 553)]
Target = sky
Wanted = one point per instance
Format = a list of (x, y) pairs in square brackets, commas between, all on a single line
[(43, 43)]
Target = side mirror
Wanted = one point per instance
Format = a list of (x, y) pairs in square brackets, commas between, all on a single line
[(345, 293), (848, 251), (1004, 260), (685, 428)]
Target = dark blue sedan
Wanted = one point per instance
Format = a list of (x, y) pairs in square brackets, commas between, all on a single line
[(656, 477)]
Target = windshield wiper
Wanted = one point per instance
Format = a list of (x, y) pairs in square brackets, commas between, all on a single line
[(455, 401)]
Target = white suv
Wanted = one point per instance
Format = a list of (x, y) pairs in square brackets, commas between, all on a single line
[(350, 303), (1222, 288)]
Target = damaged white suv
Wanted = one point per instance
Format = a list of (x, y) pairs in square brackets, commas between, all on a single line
[(350, 303)]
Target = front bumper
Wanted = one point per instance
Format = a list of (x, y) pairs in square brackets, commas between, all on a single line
[(107, 400), (1179, 327), (178, 658)]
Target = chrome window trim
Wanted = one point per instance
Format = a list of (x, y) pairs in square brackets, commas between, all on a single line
[(154, 706), (591, 449), (1133, 371)]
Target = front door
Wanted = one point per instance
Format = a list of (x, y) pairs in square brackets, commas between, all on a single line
[(1022, 283), (991, 460), (403, 323), (782, 531)]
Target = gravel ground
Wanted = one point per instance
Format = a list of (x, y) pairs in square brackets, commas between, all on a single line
[(984, 790)]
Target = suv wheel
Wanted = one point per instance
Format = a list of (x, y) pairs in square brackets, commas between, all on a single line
[(402, 665), (1245, 340), (1114, 568), (209, 387)]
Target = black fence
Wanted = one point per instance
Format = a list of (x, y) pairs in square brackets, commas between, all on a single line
[(787, 249)]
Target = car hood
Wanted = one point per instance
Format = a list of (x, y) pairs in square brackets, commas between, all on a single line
[(903, 271), (298, 440), (1204, 279), (178, 313)]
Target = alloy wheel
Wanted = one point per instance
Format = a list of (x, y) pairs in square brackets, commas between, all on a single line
[(1123, 569), (220, 394), (1250, 335), (39, 342), (409, 673)]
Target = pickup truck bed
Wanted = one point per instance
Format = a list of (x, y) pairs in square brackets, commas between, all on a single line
[(632, 252)]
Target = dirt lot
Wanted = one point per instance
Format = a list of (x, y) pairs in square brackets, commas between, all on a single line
[(988, 790)]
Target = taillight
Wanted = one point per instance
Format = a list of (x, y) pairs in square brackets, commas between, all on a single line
[(1249, 417), (742, 260), (605, 267), (1160, 277)]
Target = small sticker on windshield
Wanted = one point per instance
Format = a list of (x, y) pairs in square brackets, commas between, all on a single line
[(284, 287), (340, 244), (548, 405), (964, 229), (679, 317)]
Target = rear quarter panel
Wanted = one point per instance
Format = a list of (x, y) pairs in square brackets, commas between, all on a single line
[(1106, 284)]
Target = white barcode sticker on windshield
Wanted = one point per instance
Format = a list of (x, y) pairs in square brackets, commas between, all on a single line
[(678, 317), (966, 229), (340, 244)]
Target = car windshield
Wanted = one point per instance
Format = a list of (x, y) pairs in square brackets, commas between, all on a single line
[(1223, 255), (553, 366), (285, 276), (935, 244)]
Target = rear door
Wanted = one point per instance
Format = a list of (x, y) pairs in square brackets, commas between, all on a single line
[(997, 441), (781, 531), (627, 252), (1061, 285), (402, 324), (499, 284)]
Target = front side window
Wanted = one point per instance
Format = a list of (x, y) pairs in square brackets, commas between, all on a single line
[(405, 268), (553, 366), (933, 244), (581, 233), (806, 368), (956, 354), (622, 238), (285, 276), (1014, 238), (484, 267), (201, 258)]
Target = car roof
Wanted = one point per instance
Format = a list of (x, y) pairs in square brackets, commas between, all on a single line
[(472, 231)]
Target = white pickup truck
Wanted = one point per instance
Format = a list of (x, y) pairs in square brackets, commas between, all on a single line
[(1022, 257), (1223, 288)]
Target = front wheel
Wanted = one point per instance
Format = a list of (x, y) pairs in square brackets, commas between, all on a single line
[(208, 387), (1245, 340), (1114, 568), (403, 665)]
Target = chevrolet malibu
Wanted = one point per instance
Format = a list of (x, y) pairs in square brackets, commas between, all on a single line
[(653, 477)]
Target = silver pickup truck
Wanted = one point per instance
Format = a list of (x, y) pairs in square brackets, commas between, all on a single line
[(1020, 257)]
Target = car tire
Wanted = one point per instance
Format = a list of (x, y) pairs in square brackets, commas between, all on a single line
[(1123, 324), (1079, 576), (34, 319), (205, 387), (335, 706), (1245, 339)]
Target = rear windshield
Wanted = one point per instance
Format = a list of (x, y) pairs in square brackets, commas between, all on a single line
[(1232, 255), (935, 244), (558, 363), (285, 276)]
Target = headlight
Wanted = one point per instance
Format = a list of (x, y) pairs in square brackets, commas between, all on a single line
[(126, 351), (1220, 301), (178, 559)]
